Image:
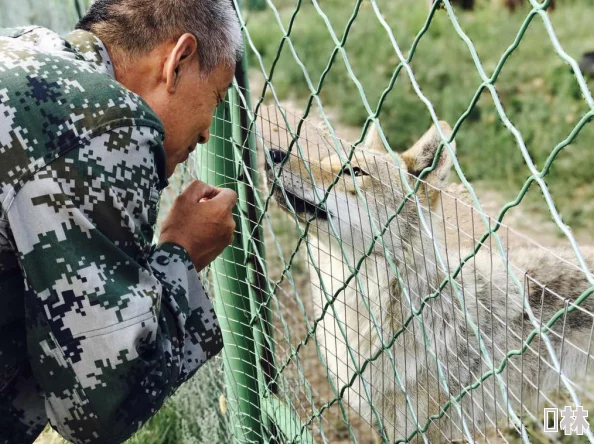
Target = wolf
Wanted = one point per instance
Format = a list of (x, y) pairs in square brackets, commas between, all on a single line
[(413, 322)]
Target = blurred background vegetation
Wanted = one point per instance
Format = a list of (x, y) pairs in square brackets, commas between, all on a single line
[(59, 15), (536, 87)]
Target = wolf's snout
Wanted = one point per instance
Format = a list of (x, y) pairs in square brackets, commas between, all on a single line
[(278, 156)]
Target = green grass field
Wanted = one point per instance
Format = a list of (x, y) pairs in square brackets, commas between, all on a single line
[(536, 87)]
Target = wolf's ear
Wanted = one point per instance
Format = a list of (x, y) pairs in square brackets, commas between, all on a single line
[(373, 140), (421, 155)]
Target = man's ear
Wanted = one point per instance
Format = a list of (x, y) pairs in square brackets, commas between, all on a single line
[(422, 153), (180, 56)]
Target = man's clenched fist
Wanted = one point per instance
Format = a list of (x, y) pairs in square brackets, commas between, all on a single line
[(201, 221)]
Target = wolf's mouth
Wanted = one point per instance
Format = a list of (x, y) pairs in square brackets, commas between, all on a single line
[(302, 206)]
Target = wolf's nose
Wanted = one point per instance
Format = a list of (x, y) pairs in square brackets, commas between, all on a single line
[(277, 156)]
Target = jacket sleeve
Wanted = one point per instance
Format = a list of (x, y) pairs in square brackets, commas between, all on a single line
[(114, 325)]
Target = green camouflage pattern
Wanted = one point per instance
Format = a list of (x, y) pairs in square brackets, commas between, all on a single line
[(98, 326)]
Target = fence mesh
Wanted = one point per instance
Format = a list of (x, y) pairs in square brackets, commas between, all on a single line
[(391, 306)]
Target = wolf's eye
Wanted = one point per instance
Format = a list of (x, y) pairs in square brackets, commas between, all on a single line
[(356, 171)]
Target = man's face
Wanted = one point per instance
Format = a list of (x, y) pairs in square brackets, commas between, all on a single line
[(170, 80), (188, 114)]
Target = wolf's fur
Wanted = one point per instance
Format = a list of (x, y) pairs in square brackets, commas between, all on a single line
[(374, 305)]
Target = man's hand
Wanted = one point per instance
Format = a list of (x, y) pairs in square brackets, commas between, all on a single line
[(201, 221)]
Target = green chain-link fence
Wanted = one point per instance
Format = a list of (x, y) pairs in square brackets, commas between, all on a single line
[(388, 301), (365, 299)]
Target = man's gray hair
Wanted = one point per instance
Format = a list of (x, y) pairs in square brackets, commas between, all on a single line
[(131, 28)]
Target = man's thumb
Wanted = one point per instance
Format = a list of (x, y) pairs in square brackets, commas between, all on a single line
[(226, 195)]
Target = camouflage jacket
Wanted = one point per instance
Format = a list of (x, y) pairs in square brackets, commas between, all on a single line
[(98, 327)]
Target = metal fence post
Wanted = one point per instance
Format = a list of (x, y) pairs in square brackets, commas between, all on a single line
[(79, 11), (232, 301), (251, 212)]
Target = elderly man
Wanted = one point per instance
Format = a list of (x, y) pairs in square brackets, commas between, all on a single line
[(99, 327)]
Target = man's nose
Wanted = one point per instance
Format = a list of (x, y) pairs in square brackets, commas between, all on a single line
[(203, 137), (278, 156)]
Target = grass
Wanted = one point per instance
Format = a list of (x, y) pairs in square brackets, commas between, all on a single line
[(536, 87)]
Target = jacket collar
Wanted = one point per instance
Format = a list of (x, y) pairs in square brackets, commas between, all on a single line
[(90, 48)]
